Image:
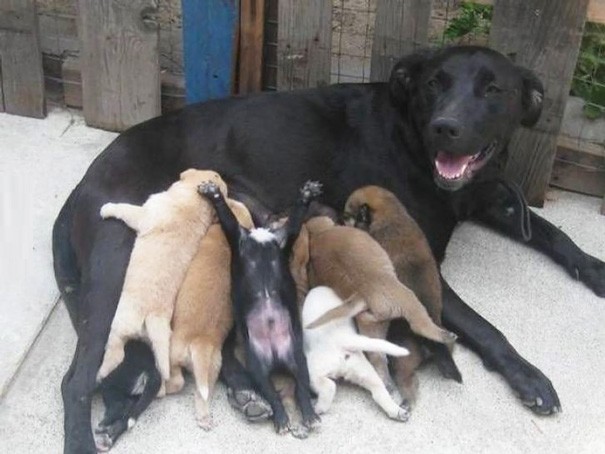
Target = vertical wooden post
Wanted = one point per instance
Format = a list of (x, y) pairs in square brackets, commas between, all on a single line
[(304, 43), (603, 206), (210, 32), (252, 26), (119, 62), (401, 27), (545, 36), (21, 78)]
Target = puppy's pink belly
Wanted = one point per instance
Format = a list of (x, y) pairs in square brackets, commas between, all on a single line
[(270, 334)]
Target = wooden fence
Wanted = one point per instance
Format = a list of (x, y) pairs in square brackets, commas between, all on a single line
[(227, 41)]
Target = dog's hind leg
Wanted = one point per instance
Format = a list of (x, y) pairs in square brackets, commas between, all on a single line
[(325, 388), (158, 331), (368, 344), (303, 388), (131, 215), (360, 372), (206, 364), (379, 360), (114, 355), (241, 392)]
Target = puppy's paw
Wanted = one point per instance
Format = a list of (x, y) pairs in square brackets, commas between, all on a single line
[(206, 422), (403, 414), (310, 190), (253, 406), (448, 337), (297, 431), (107, 210), (209, 189), (103, 441), (313, 422)]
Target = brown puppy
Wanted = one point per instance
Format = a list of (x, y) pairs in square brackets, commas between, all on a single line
[(202, 316), (360, 272), (169, 226), (380, 213)]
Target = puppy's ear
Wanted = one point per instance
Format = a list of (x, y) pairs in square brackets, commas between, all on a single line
[(405, 74), (531, 98), (187, 173)]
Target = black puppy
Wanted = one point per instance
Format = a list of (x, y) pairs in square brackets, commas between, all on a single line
[(264, 301), (127, 391)]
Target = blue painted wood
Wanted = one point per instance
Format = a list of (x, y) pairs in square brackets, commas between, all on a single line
[(209, 39)]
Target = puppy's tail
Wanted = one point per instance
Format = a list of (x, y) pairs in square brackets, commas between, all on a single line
[(206, 363), (347, 310), (158, 332), (369, 344)]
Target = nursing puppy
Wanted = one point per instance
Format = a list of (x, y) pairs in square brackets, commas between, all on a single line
[(169, 227), (264, 302), (203, 316), (349, 261), (335, 350), (377, 211)]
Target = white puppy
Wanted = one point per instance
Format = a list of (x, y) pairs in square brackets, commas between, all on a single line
[(335, 350)]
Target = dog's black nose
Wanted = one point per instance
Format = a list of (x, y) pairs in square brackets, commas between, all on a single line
[(446, 128)]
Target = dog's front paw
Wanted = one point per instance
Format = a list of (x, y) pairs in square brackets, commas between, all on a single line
[(312, 422), (253, 406), (209, 189), (532, 387), (298, 431), (402, 414), (592, 274), (310, 190), (206, 422)]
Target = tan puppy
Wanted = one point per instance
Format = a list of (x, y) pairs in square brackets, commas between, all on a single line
[(202, 316), (169, 227), (360, 272), (379, 212)]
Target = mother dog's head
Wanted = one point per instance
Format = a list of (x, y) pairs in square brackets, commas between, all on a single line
[(466, 102)]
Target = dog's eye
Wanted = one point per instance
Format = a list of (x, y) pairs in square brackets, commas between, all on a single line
[(433, 84), (492, 89)]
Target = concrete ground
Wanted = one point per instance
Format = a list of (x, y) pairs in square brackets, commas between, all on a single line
[(555, 322)]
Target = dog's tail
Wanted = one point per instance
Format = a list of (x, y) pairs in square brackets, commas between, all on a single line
[(158, 331), (206, 363), (358, 342), (347, 310)]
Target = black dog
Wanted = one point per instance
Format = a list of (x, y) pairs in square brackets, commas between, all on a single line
[(435, 135), (264, 301)]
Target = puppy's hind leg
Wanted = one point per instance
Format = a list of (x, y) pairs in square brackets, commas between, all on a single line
[(379, 360), (360, 371), (158, 331), (303, 389), (206, 364), (325, 388), (114, 354)]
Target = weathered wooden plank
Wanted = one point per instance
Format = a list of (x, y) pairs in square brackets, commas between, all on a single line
[(603, 207), (119, 62), (401, 27), (22, 80), (543, 35), (595, 13), (579, 166), (210, 34), (252, 25), (304, 41)]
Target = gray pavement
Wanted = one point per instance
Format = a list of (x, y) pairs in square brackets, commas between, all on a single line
[(555, 322)]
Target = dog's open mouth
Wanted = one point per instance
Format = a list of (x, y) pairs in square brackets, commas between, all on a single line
[(452, 167)]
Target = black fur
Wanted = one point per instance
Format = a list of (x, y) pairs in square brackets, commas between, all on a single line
[(266, 146), (260, 277)]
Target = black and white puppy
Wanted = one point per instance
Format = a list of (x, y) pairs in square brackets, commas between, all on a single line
[(264, 302)]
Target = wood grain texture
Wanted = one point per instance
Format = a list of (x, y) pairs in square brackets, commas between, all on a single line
[(304, 41), (119, 62), (252, 26), (543, 35), (22, 90), (603, 206), (210, 33), (595, 13), (401, 27)]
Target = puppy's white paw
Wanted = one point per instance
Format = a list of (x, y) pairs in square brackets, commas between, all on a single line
[(206, 422), (107, 210), (402, 415)]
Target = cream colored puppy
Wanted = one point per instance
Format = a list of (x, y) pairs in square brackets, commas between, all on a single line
[(203, 316), (169, 227), (335, 350)]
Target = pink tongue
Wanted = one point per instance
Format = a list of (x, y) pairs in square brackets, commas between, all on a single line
[(451, 166)]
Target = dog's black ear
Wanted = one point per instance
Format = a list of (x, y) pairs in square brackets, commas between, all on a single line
[(404, 75), (531, 98)]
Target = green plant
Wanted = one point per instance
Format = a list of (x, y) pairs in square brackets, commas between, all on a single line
[(589, 76), (472, 18)]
